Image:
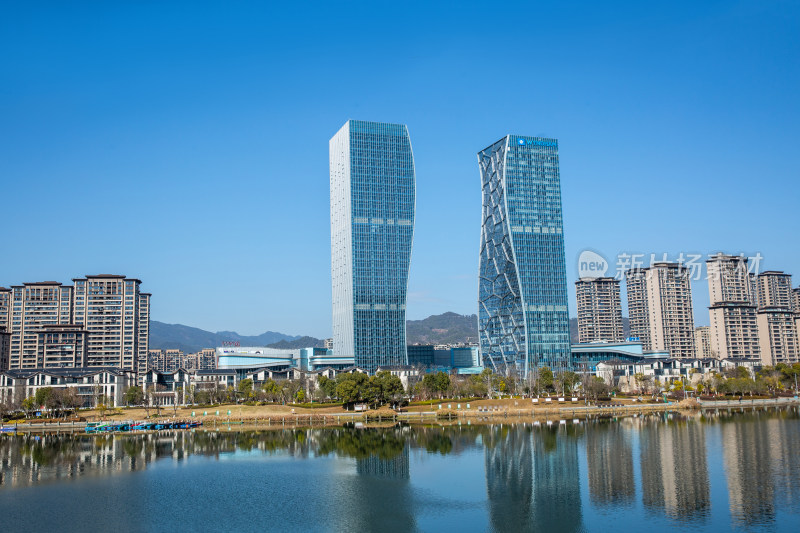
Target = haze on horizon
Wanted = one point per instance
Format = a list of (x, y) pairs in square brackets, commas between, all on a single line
[(186, 144)]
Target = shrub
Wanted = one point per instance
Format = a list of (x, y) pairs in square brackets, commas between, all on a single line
[(382, 413)]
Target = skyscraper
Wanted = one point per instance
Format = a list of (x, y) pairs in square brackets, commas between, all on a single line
[(522, 296), (372, 228)]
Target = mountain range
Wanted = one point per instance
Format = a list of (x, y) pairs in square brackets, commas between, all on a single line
[(447, 328)]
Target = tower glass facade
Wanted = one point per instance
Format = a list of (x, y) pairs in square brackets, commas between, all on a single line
[(372, 228), (523, 320)]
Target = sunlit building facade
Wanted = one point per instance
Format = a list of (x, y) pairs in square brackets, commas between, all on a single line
[(372, 228), (523, 319)]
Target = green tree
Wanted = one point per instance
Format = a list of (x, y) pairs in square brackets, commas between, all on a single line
[(272, 390), (546, 378), (348, 391), (42, 396), (596, 387), (245, 388), (29, 405), (134, 396), (328, 386)]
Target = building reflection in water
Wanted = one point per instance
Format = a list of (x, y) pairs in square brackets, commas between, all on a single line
[(609, 458), (532, 478), (674, 467), (760, 455)]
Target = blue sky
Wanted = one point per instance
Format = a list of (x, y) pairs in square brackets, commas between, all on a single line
[(209, 122)]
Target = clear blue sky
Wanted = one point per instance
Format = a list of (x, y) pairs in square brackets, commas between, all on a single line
[(186, 144)]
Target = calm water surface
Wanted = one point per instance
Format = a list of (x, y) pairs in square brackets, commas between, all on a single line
[(719, 471)]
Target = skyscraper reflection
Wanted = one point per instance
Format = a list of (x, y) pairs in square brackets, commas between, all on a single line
[(532, 479)]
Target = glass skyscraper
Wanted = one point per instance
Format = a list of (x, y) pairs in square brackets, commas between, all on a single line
[(523, 320), (372, 227)]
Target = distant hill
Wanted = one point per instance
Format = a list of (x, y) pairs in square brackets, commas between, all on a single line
[(443, 329), (301, 342), (447, 328), (188, 339)]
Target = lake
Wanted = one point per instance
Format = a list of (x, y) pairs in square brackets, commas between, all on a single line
[(716, 471)]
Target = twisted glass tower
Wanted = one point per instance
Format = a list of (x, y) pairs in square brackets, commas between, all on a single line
[(523, 320), (372, 227)]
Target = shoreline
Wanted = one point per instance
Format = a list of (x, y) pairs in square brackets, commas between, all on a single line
[(444, 417)]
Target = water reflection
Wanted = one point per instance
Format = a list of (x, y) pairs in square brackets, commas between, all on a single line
[(760, 453), (377, 478), (609, 456), (674, 467)]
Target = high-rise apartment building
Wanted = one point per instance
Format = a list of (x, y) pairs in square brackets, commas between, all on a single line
[(5, 348), (33, 307), (95, 322), (774, 290), (61, 345), (372, 228), (734, 331), (732, 313), (669, 300), (777, 328), (660, 308), (638, 315), (728, 279), (702, 342), (599, 310), (796, 300), (5, 327), (109, 307), (778, 335), (143, 332), (523, 318)]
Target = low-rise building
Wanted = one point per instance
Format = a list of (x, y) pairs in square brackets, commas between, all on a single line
[(661, 372), (90, 384)]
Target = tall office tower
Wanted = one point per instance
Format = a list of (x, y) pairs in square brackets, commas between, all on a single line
[(777, 330), (523, 321), (660, 299), (638, 315), (372, 228), (702, 342), (34, 306), (774, 290), (732, 313), (109, 307), (599, 310)]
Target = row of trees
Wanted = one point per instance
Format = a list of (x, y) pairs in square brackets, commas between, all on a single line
[(737, 381), (375, 390), (58, 402), (489, 384)]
